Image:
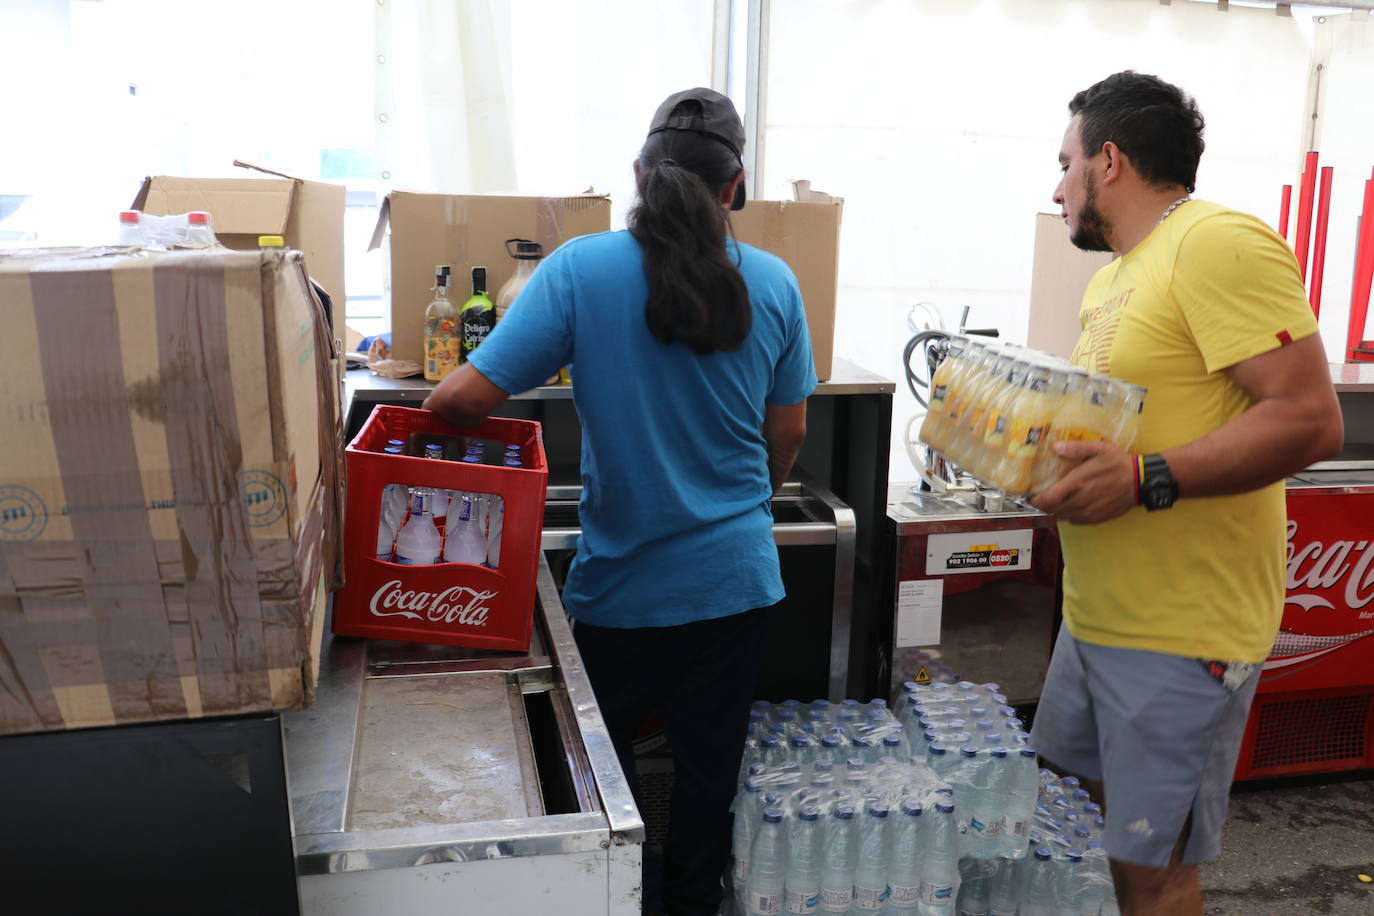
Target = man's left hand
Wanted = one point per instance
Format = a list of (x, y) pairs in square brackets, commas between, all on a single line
[(1100, 488)]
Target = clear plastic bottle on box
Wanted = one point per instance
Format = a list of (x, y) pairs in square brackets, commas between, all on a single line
[(130, 228), (199, 233)]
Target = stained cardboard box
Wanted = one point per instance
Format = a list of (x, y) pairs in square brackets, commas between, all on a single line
[(466, 231), (169, 480), (308, 215), (806, 234)]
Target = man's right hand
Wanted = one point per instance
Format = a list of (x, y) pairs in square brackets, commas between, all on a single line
[(1102, 487)]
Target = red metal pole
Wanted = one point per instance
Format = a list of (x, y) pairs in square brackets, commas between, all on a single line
[(1319, 246), (1364, 259), (1304, 231), (1284, 206)]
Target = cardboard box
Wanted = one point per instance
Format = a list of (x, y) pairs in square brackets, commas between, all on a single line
[(169, 479), (308, 215), (806, 234), (466, 231), (1059, 274)]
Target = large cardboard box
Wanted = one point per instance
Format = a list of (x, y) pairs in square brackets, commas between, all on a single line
[(466, 231), (805, 234), (1059, 274), (169, 480), (308, 215)]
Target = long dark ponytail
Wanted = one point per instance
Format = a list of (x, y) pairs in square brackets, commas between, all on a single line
[(696, 292)]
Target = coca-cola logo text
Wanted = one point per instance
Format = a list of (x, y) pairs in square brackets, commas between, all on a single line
[(457, 604), (1318, 566)]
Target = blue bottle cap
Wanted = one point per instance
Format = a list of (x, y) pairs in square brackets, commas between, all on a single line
[(877, 809), (1094, 845), (967, 685), (998, 698), (1013, 723), (878, 702), (910, 686), (844, 812), (771, 798), (1082, 832), (769, 741), (822, 763), (790, 766), (1043, 854), (945, 790), (792, 704), (1069, 782), (393, 450), (433, 447), (1081, 796), (1007, 711), (978, 712), (830, 741), (786, 715), (1000, 752), (854, 764), (757, 769), (1026, 751), (809, 813), (892, 740), (937, 749), (984, 725), (1073, 855), (944, 807), (992, 687), (1035, 838), (772, 815), (776, 728), (472, 459), (815, 715), (968, 750), (753, 784), (757, 715), (514, 463), (1092, 809), (396, 442), (911, 806)]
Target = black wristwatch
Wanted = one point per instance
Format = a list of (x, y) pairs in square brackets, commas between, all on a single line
[(1158, 489)]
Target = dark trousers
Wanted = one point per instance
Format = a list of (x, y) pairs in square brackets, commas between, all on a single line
[(699, 678)]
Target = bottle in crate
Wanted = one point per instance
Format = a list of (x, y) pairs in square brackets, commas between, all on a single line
[(465, 541), (417, 544)]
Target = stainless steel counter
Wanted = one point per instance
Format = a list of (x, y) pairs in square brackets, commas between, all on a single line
[(421, 755), (847, 378)]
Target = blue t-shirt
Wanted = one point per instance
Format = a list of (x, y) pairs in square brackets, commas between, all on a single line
[(676, 525)]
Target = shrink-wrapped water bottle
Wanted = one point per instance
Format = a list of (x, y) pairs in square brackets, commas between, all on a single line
[(974, 890), (802, 887), (1004, 896), (1023, 785), (870, 871), (767, 866), (904, 858), (940, 865), (1068, 882), (1037, 897), (838, 860)]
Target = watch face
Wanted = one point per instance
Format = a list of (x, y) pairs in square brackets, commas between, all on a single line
[(1159, 495)]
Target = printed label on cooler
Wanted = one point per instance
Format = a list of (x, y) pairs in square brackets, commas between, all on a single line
[(904, 896), (833, 901), (869, 898), (795, 902), (936, 893), (765, 904)]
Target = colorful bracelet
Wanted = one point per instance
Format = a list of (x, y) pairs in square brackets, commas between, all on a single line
[(1139, 477)]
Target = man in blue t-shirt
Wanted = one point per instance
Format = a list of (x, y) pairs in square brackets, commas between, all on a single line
[(691, 368)]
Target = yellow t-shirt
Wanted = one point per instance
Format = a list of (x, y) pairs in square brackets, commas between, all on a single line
[(1207, 289)]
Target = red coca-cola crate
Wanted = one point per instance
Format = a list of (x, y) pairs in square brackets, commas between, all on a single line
[(1314, 708), (455, 604)]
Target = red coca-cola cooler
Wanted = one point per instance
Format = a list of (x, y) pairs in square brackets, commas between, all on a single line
[(1314, 709), (486, 606)]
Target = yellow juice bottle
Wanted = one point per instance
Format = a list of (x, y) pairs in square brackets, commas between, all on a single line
[(985, 454), (965, 440), (1077, 418), (976, 356), (932, 427), (1030, 421), (1130, 413)]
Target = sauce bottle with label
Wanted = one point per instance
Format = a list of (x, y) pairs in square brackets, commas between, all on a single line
[(478, 314), (442, 341)]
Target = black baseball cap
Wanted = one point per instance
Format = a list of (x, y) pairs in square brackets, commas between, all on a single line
[(717, 120)]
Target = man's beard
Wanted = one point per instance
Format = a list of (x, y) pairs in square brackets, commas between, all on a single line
[(1091, 234)]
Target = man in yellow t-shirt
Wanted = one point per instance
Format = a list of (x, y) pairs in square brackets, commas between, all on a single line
[(1174, 556)]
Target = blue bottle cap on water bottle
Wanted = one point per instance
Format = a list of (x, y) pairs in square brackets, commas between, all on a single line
[(1043, 854), (771, 798), (472, 459), (433, 448), (790, 768), (851, 703), (1070, 817), (815, 715), (978, 712), (944, 807), (854, 764), (801, 741), (892, 740), (809, 813), (984, 725), (1000, 752), (968, 750), (1094, 845), (958, 738), (753, 784), (878, 702), (772, 815), (830, 741), (912, 807), (1054, 824), (937, 749), (844, 812), (792, 704), (757, 715), (999, 698), (876, 715), (823, 763), (1099, 823), (1092, 809), (1073, 855), (1013, 723), (396, 442), (1082, 832), (769, 741), (1069, 782), (931, 735), (910, 686), (1061, 802), (1081, 796), (992, 687), (1034, 837), (846, 715), (757, 769), (1026, 751), (393, 450), (955, 724), (786, 715), (514, 463), (966, 686), (877, 809), (1008, 712)]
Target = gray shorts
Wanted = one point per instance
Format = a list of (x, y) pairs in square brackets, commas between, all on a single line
[(1158, 730)]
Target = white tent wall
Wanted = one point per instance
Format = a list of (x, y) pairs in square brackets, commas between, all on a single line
[(940, 124)]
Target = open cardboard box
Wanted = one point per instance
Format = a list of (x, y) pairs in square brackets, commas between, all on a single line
[(308, 215)]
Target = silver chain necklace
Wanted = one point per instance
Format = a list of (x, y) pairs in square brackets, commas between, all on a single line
[(1183, 199)]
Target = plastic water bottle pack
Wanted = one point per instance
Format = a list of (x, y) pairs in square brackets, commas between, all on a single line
[(854, 837), (798, 732)]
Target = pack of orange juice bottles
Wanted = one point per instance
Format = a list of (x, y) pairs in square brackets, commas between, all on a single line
[(996, 410)]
